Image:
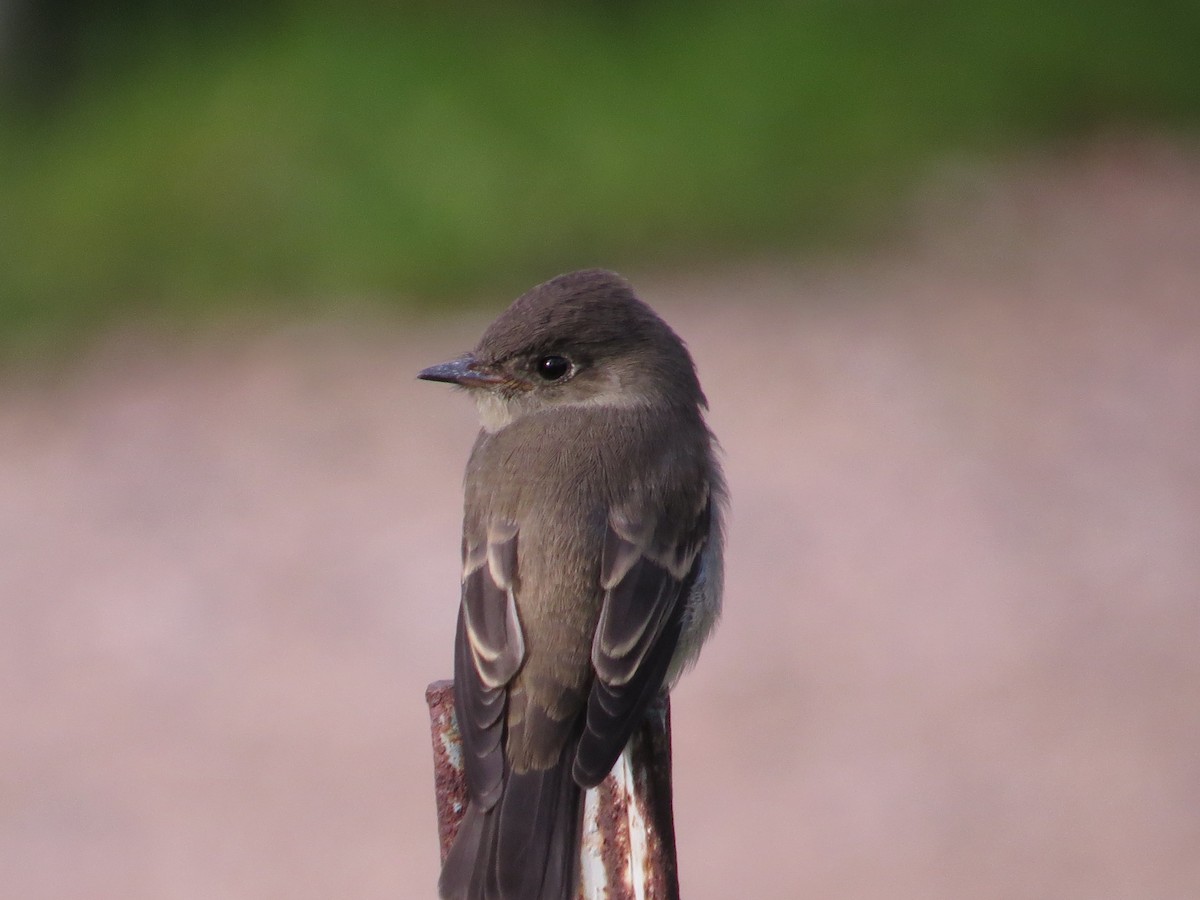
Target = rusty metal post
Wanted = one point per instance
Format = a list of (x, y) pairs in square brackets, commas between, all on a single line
[(628, 844), (449, 780)]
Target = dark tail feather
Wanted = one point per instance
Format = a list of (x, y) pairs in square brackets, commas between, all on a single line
[(526, 847), (455, 882)]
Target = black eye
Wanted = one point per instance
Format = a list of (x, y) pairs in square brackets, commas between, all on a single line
[(552, 368)]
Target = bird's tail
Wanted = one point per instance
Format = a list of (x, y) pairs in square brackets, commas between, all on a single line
[(526, 847)]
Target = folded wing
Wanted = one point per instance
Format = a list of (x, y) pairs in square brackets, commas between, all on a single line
[(647, 570)]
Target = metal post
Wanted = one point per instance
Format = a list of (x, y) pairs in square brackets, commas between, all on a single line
[(628, 845)]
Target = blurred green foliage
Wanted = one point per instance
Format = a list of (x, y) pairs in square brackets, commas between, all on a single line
[(307, 153)]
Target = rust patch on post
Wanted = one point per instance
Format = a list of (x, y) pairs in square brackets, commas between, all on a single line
[(449, 780), (612, 822)]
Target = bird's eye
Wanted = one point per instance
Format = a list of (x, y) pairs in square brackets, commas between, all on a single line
[(552, 368)]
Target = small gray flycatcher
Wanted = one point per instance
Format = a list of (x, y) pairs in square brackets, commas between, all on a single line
[(592, 566)]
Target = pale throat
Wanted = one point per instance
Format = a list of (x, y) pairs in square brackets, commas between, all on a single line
[(495, 411)]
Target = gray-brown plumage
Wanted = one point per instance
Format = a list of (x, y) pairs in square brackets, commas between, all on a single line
[(591, 566)]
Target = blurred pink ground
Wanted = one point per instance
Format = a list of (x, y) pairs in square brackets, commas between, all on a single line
[(961, 652)]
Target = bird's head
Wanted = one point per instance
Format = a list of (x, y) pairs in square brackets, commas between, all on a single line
[(579, 340)]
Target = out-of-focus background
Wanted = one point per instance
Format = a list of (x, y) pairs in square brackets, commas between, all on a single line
[(939, 265)]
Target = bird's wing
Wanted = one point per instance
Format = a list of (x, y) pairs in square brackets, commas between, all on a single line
[(489, 649), (647, 569)]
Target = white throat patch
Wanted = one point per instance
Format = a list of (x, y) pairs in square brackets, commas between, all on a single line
[(495, 412)]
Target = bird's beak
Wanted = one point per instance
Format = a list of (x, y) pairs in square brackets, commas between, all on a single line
[(464, 371)]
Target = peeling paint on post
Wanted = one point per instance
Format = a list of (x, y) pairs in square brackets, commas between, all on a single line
[(628, 843)]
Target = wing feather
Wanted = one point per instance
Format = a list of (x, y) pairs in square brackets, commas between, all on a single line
[(647, 569), (489, 650), (490, 607)]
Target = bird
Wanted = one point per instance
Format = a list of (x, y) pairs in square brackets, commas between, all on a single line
[(592, 551)]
